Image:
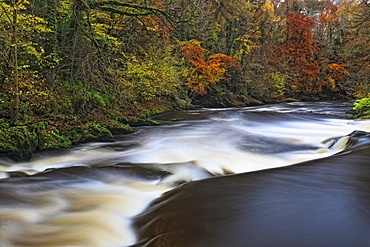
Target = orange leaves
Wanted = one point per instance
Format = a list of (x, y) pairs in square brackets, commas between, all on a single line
[(328, 16), (337, 72), (299, 28), (297, 54), (194, 54), (205, 69), (336, 67)]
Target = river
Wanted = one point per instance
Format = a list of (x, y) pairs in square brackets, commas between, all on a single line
[(290, 174)]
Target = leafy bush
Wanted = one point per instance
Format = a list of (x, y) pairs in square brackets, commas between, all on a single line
[(362, 108)]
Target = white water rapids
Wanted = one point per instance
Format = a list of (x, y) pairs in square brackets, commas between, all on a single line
[(93, 203)]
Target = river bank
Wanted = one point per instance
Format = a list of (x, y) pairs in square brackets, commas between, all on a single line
[(99, 194), (19, 141)]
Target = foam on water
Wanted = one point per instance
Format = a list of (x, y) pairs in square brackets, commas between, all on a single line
[(88, 214), (94, 207)]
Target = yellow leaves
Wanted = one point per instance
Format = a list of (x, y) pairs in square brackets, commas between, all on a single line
[(156, 73), (195, 42), (152, 28), (104, 28), (246, 38), (268, 15), (22, 2), (101, 32), (268, 7), (247, 45), (4, 3), (348, 10), (27, 23), (337, 72), (336, 67), (32, 48), (151, 23), (272, 85), (331, 84), (362, 90), (248, 6)]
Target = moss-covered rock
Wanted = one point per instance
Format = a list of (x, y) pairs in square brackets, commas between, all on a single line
[(89, 132), (51, 139), (118, 128), (17, 143), (135, 122)]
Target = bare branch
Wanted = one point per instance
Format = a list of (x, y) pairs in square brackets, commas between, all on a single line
[(137, 10)]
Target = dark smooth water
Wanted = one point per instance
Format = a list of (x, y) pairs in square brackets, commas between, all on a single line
[(289, 174), (325, 202)]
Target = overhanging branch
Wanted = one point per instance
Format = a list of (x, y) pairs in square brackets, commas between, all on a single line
[(137, 10)]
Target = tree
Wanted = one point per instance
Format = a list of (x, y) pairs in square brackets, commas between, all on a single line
[(19, 52), (205, 69), (297, 55), (263, 81), (355, 18), (329, 39), (14, 56)]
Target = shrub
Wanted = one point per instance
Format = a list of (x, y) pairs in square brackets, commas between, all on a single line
[(362, 108)]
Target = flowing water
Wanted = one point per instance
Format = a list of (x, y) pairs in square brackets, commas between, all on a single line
[(214, 177)]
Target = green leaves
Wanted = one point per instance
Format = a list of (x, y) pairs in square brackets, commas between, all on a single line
[(362, 108), (153, 75)]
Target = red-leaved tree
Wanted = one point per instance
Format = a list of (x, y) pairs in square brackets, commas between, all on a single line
[(204, 69), (296, 55)]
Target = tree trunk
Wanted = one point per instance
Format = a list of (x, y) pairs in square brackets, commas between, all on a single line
[(15, 60)]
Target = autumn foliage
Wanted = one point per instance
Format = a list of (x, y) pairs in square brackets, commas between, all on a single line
[(337, 72), (205, 70), (108, 58), (296, 55)]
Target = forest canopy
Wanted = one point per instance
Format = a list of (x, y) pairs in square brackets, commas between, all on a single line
[(107, 60)]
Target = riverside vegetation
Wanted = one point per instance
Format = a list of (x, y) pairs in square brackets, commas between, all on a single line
[(74, 71)]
